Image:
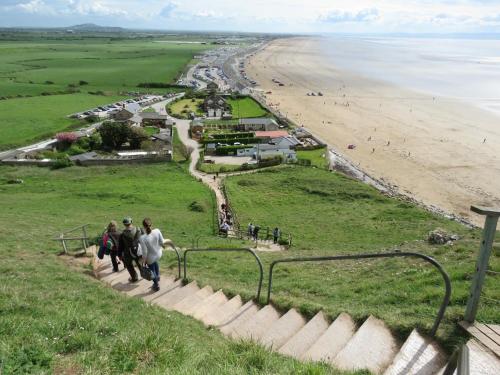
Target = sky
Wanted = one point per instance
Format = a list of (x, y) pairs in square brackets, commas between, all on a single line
[(277, 16)]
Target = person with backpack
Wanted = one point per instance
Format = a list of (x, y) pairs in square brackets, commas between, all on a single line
[(276, 234), (256, 230), (152, 250), (128, 248), (113, 235)]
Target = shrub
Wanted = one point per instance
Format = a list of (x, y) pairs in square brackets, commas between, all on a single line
[(62, 162), (49, 82), (83, 83), (75, 150), (196, 207), (65, 140)]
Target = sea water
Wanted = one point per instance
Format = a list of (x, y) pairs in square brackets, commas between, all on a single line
[(462, 68)]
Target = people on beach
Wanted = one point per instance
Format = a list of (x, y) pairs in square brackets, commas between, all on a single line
[(114, 236), (276, 234), (128, 248), (152, 249)]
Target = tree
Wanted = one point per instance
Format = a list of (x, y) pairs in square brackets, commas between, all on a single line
[(136, 137), (114, 134)]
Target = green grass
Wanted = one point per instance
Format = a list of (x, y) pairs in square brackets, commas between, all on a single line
[(218, 168), (246, 107), (329, 214), (182, 108), (30, 119), (56, 319), (106, 65), (114, 67), (318, 158)]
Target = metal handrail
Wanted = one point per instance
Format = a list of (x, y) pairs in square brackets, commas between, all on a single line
[(171, 245), (396, 254), (259, 263)]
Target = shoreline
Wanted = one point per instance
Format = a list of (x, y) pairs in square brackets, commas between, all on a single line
[(412, 155)]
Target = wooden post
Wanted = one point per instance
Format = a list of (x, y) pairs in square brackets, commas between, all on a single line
[(490, 226), (85, 242), (64, 244)]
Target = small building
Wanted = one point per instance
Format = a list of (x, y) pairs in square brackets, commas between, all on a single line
[(155, 119), (286, 142), (268, 135), (266, 151), (127, 112), (257, 124)]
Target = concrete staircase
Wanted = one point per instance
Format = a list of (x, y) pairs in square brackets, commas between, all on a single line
[(370, 346)]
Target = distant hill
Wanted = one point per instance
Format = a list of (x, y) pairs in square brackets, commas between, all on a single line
[(94, 27)]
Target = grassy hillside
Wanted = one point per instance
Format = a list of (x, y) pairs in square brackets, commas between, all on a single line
[(58, 320), (28, 119), (329, 214)]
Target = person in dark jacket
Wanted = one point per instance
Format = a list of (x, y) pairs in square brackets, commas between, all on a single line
[(276, 234), (114, 234), (128, 247)]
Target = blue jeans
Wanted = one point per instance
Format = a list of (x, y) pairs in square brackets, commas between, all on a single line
[(155, 267)]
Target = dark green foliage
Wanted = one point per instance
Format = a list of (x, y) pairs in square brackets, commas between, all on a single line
[(114, 134), (136, 137)]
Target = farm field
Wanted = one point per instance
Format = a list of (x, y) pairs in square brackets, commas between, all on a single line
[(31, 119), (94, 65), (55, 317), (246, 107)]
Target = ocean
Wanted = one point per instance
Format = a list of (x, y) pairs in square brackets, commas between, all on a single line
[(464, 69)]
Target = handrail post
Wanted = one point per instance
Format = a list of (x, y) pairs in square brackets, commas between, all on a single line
[(85, 242), (489, 230), (63, 241)]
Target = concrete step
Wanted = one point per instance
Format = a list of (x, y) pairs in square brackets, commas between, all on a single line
[(209, 304), (418, 355), (139, 288), (120, 280), (167, 285), (281, 331), (186, 305), (305, 337), (481, 360), (255, 327), (224, 311), (168, 300), (372, 347), (238, 318), (108, 278), (333, 340)]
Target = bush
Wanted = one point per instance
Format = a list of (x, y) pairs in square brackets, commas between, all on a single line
[(75, 150), (196, 207), (65, 140), (83, 83), (62, 162), (49, 82)]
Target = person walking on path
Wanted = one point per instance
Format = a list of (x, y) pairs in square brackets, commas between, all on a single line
[(250, 230), (276, 234), (128, 248), (114, 235), (152, 250), (256, 233)]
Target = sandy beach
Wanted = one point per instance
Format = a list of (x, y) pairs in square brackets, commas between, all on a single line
[(440, 151)]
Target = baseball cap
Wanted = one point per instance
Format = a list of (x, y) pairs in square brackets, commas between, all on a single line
[(127, 221)]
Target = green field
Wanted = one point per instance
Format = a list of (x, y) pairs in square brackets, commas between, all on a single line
[(182, 108), (30, 119), (57, 319), (246, 107), (98, 65)]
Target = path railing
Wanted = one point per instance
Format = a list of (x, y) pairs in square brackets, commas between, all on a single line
[(446, 279), (66, 236), (259, 263), (265, 234)]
